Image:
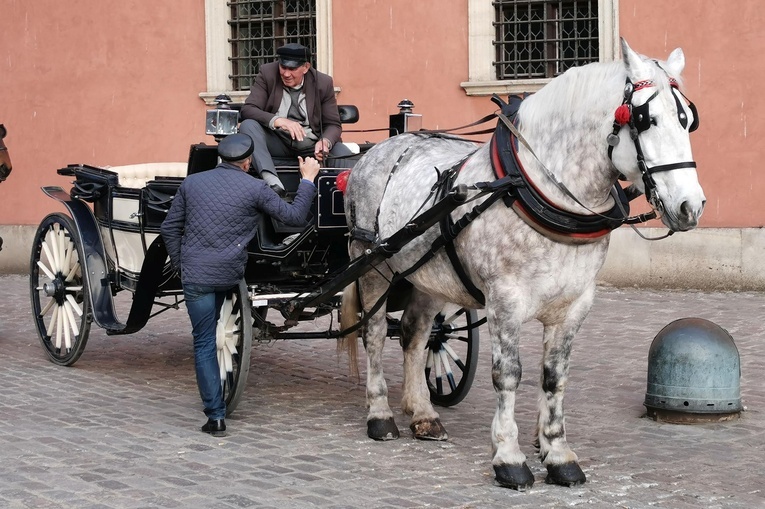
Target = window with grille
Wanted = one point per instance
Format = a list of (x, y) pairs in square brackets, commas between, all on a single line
[(259, 27), (542, 38)]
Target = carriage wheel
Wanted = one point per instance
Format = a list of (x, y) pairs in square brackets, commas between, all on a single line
[(452, 357), (59, 292), (234, 340)]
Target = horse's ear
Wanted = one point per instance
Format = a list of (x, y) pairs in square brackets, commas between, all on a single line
[(676, 63), (636, 67)]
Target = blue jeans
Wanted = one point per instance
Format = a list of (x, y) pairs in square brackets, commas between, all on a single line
[(203, 304)]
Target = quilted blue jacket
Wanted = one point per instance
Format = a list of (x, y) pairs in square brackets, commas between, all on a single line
[(214, 217)]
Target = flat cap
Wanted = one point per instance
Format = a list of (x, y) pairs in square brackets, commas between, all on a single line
[(235, 147), (293, 55)]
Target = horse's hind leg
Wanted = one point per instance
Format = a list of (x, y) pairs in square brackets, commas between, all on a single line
[(380, 422), (554, 451), (416, 325)]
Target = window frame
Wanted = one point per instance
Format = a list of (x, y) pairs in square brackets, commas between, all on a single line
[(218, 48), (481, 52)]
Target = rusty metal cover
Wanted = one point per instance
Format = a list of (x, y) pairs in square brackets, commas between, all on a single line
[(693, 367)]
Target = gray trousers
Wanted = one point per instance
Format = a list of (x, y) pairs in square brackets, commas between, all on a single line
[(268, 144)]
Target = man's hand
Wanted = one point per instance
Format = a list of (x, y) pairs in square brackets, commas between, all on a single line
[(292, 127), (309, 168), (321, 149)]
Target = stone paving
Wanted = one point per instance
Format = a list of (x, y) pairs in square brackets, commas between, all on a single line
[(119, 429)]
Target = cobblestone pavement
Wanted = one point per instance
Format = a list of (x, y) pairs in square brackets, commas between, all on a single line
[(119, 429)]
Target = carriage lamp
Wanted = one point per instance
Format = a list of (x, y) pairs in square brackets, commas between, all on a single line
[(405, 121), (221, 121)]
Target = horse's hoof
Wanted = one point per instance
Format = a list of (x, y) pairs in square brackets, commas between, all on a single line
[(568, 474), (429, 429), (517, 477), (382, 429)]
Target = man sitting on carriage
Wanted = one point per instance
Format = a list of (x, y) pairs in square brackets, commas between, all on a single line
[(291, 111)]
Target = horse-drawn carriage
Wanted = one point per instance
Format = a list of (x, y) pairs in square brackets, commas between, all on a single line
[(82, 261), (519, 226)]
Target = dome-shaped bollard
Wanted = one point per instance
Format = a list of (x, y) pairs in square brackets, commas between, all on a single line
[(694, 373)]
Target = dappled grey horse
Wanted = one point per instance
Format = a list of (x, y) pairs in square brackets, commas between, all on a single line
[(536, 243)]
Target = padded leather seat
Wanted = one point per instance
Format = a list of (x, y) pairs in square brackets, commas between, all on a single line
[(137, 175)]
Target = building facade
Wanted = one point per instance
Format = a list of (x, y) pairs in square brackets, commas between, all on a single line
[(109, 83)]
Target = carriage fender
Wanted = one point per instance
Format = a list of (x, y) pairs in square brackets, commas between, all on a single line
[(94, 266)]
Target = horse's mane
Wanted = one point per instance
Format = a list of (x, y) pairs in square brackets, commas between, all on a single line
[(582, 95), (576, 96)]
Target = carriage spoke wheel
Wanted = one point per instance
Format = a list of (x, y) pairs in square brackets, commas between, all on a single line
[(59, 291), (452, 357), (234, 341)]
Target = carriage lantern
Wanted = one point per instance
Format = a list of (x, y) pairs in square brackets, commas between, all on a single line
[(405, 121), (221, 121), (693, 373)]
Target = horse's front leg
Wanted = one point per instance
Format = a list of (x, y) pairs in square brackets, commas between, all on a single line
[(416, 326), (554, 451), (509, 462)]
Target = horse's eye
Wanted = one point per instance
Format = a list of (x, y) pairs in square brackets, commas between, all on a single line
[(653, 121)]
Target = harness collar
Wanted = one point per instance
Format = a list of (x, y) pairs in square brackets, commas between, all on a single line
[(530, 203)]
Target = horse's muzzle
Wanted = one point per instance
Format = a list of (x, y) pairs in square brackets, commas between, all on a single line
[(686, 218)]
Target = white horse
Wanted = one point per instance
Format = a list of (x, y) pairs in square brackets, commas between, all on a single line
[(582, 131)]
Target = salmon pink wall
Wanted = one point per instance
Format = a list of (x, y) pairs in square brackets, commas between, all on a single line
[(111, 83), (723, 45), (387, 50), (89, 81)]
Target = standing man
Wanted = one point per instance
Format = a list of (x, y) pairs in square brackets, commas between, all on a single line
[(212, 220), (5, 163), (291, 111)]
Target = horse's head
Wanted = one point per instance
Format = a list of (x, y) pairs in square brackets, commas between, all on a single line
[(650, 144)]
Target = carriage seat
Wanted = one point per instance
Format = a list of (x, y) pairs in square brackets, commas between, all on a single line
[(137, 175)]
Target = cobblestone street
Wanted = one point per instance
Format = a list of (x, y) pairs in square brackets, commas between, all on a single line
[(119, 429)]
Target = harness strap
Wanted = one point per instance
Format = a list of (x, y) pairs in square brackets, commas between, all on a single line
[(449, 233), (673, 166)]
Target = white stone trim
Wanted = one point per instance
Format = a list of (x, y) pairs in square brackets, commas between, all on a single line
[(481, 77), (218, 49)]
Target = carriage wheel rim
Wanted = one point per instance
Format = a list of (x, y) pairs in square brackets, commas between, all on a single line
[(234, 342), (60, 305), (451, 358)]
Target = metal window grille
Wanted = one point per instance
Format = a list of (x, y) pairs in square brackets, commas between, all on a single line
[(258, 27), (542, 38)]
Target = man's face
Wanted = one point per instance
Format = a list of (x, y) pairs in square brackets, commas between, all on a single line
[(293, 76)]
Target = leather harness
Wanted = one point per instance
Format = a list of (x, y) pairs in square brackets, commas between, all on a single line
[(519, 192)]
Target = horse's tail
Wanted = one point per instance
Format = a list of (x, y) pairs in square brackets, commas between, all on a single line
[(349, 316)]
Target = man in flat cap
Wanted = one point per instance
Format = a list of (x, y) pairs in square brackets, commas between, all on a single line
[(291, 111), (210, 223)]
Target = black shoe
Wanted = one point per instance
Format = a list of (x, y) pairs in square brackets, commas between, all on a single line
[(215, 427), (279, 190)]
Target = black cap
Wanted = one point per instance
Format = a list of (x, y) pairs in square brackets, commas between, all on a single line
[(235, 147), (293, 55)]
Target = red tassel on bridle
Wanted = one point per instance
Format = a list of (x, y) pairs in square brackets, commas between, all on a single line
[(622, 114)]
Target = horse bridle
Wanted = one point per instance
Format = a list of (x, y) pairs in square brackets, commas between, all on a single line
[(638, 119)]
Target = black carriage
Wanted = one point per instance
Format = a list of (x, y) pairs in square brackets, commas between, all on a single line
[(110, 243)]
